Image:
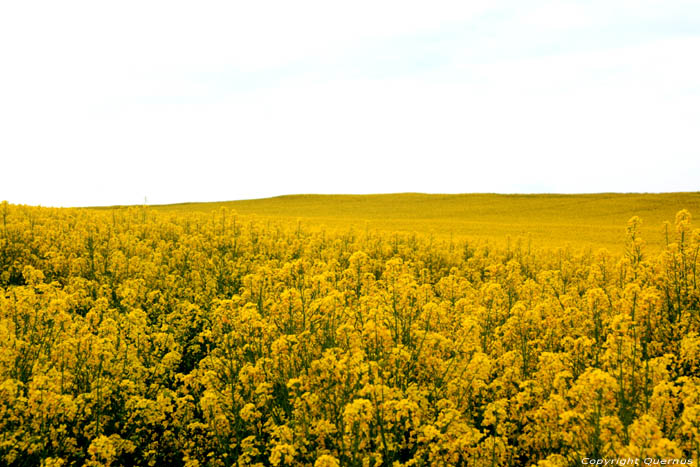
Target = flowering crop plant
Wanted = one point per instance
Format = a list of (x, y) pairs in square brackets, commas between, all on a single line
[(131, 336)]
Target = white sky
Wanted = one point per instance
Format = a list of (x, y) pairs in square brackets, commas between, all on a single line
[(108, 102)]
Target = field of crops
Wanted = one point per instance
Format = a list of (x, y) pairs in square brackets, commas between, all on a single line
[(590, 221), (361, 333)]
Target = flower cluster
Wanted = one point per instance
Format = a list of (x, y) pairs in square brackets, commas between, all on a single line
[(137, 337)]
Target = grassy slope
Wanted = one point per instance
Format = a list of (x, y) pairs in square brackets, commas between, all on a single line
[(590, 220)]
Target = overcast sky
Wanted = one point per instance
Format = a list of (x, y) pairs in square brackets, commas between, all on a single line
[(111, 102)]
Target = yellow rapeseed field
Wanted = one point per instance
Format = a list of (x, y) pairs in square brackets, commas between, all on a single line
[(390, 330), (583, 221)]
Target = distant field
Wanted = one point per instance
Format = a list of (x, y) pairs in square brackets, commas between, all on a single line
[(583, 221)]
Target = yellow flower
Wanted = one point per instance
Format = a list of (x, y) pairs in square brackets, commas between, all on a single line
[(327, 461)]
